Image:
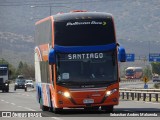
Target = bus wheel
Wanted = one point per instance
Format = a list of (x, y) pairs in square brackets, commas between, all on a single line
[(44, 108), (25, 89), (107, 109), (57, 110), (7, 90)]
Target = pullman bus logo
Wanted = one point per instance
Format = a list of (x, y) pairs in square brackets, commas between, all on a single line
[(86, 23)]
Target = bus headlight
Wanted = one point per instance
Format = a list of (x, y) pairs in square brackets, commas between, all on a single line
[(108, 93), (66, 94)]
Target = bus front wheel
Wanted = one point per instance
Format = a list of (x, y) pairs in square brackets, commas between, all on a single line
[(57, 110), (44, 108)]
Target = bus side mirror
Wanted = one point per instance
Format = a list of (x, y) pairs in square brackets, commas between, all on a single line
[(51, 56), (122, 54)]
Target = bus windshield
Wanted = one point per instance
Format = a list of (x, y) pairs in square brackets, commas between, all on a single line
[(3, 72), (90, 68), (84, 32), (129, 72)]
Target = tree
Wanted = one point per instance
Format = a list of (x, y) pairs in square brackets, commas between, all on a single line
[(147, 72), (155, 67), (26, 70)]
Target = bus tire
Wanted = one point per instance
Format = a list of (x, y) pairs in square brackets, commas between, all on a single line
[(44, 108), (57, 110), (107, 109), (7, 90), (25, 89)]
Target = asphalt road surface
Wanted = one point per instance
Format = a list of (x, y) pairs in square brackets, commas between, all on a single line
[(22, 101)]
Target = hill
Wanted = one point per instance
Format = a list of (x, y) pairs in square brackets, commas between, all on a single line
[(137, 23)]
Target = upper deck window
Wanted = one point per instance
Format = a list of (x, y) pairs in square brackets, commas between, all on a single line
[(84, 31)]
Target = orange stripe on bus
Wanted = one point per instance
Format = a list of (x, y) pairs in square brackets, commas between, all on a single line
[(45, 19)]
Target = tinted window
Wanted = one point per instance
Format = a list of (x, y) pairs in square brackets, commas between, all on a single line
[(84, 32), (20, 80)]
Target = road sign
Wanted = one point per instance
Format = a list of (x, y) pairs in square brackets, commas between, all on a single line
[(145, 86), (130, 57), (154, 57), (145, 79)]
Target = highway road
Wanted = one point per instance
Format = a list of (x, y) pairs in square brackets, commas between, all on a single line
[(26, 101)]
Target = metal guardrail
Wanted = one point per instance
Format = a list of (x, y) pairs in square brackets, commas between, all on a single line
[(131, 80), (140, 94), (139, 89)]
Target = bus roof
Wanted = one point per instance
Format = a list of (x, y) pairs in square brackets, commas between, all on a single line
[(77, 16), (81, 15)]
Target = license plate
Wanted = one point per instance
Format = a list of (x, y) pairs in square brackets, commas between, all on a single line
[(88, 101)]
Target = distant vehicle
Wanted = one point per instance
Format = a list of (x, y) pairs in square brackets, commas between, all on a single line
[(4, 73), (156, 79), (29, 83), (20, 76), (20, 84), (133, 73)]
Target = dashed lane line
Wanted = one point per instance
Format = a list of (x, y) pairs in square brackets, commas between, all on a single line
[(57, 118), (13, 104), (18, 106)]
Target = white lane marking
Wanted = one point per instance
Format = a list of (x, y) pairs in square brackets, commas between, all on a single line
[(13, 104), (28, 109), (20, 106), (56, 118)]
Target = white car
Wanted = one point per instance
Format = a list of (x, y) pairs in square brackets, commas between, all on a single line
[(29, 83)]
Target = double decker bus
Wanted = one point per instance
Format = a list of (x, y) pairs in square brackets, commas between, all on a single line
[(134, 72), (76, 61)]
